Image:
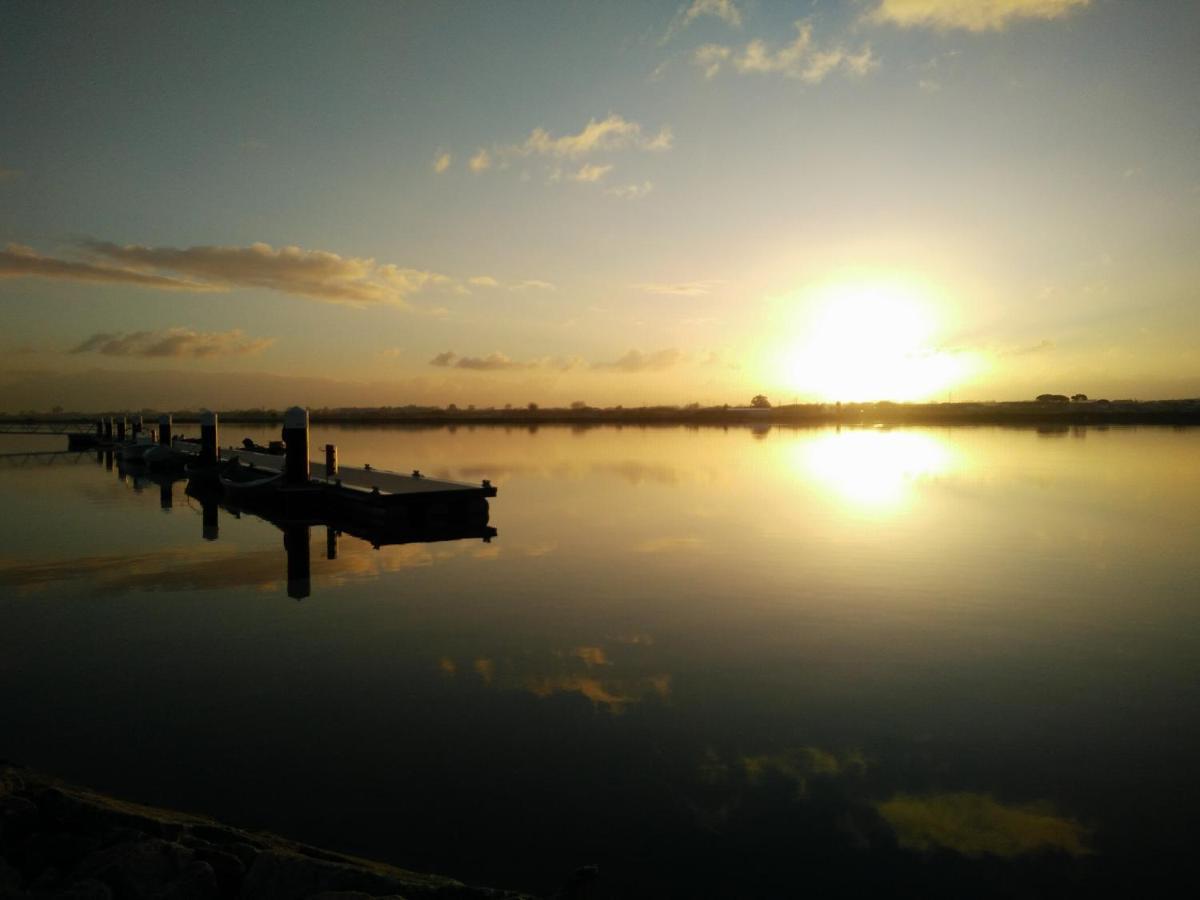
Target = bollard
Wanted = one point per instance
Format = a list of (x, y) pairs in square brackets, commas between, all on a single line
[(138, 425), (122, 425), (209, 527), (295, 438), (208, 439), (164, 429), (295, 543), (331, 465)]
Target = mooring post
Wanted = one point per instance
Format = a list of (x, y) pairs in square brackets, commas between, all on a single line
[(208, 439), (99, 428), (138, 424), (331, 466), (295, 439), (209, 526), (122, 425), (164, 429), (108, 429), (299, 569)]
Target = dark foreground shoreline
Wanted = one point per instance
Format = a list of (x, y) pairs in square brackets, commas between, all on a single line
[(57, 840), (1010, 413)]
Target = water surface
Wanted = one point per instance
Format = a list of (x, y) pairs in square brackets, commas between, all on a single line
[(955, 662)]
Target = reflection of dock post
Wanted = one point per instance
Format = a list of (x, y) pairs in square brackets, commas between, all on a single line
[(210, 526), (108, 460), (166, 496), (295, 438), (295, 543), (164, 429), (331, 465), (331, 542), (208, 439)]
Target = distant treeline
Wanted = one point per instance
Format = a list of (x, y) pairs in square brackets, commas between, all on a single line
[(1041, 412)]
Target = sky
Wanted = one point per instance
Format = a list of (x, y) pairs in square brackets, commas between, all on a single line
[(238, 205)]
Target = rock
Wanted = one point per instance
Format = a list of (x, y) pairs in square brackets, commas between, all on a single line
[(228, 869), (197, 881), (140, 870), (88, 889)]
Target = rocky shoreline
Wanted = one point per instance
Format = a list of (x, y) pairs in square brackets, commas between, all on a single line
[(61, 841)]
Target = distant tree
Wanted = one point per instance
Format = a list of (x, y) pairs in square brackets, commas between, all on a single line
[(532, 407), (760, 401), (452, 408), (1078, 397), (578, 404), (1053, 398)]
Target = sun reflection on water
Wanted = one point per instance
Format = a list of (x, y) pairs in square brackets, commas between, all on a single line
[(873, 468)]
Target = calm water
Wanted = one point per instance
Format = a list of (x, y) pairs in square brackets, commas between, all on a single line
[(725, 663)]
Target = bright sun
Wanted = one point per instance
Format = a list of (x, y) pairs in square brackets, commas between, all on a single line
[(870, 341)]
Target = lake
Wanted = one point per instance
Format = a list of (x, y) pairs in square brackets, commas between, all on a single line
[(714, 662)]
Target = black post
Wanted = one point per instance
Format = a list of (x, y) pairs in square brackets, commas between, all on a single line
[(331, 542), (108, 429), (122, 426), (331, 464), (138, 424), (209, 445), (166, 496), (295, 437), (164, 429), (209, 524), (299, 569)]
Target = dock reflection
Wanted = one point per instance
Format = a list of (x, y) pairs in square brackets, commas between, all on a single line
[(470, 522)]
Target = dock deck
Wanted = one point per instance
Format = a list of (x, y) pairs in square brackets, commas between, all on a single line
[(361, 477)]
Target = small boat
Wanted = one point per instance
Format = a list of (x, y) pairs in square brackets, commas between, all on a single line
[(242, 482), (135, 450)]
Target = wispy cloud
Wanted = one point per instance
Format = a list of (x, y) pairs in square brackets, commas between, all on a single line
[(532, 284), (677, 288), (480, 162), (486, 281), (173, 342), (614, 132), (969, 15), (590, 172), (317, 274), (802, 59), (725, 10), (500, 362), (441, 163), (632, 191), (637, 361)]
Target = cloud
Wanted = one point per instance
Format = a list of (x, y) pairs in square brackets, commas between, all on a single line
[(677, 288), (725, 10), (483, 281), (976, 825), (499, 362), (632, 191), (532, 284), (970, 15), (590, 172), (317, 274), (441, 163), (174, 342), (637, 361), (614, 132), (801, 59), (480, 162)]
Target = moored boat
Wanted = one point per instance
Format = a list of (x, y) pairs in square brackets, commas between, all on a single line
[(247, 482)]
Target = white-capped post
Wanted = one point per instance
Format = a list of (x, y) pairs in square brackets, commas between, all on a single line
[(295, 439)]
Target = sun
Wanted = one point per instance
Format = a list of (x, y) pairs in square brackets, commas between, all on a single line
[(870, 340)]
